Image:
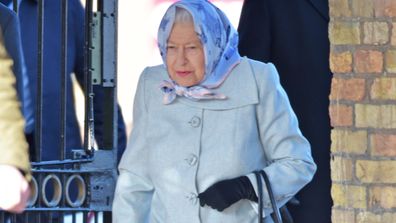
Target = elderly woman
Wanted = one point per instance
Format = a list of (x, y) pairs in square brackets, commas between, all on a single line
[(203, 122)]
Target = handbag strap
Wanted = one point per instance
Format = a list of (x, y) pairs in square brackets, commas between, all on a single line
[(277, 216), (260, 196)]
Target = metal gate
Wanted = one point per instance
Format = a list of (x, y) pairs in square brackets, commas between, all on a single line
[(91, 173)]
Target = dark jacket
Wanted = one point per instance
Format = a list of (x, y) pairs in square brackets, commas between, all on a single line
[(293, 35), (52, 73), (12, 41)]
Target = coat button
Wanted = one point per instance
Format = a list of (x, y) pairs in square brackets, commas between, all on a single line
[(192, 160), (195, 122)]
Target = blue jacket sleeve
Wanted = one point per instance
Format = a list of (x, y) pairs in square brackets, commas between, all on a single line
[(13, 44)]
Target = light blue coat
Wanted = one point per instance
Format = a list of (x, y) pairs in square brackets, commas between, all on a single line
[(177, 151)]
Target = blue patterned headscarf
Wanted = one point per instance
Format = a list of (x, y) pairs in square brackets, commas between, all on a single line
[(220, 43)]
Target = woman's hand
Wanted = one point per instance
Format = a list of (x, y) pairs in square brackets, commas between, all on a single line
[(14, 189), (223, 194)]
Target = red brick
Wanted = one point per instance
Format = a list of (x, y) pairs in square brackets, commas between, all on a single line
[(385, 8), (383, 144), (348, 89), (341, 115), (368, 61)]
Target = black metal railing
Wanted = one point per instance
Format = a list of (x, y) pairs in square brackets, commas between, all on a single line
[(77, 189)]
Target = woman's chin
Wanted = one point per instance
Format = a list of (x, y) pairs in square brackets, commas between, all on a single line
[(186, 83)]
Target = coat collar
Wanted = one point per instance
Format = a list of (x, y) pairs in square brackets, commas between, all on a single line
[(240, 88), (322, 7)]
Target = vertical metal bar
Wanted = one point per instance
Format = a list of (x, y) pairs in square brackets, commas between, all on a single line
[(26, 217), (63, 79), (96, 217), (39, 103), (85, 217), (110, 11), (39, 96), (37, 217), (40, 196), (89, 121), (15, 5), (63, 153), (107, 216), (2, 216), (74, 217)]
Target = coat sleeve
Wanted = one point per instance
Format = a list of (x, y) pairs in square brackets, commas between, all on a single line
[(290, 165), (255, 31), (13, 146), (13, 45), (132, 199)]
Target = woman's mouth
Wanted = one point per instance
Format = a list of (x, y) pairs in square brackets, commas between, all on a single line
[(183, 73)]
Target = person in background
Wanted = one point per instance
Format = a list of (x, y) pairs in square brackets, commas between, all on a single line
[(204, 121), (14, 161), (12, 41), (294, 36), (27, 13)]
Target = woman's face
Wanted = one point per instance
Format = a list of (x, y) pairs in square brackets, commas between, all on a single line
[(185, 57)]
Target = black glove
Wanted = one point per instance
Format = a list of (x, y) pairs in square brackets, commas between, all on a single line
[(223, 194)]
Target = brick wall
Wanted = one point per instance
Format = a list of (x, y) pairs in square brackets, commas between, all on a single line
[(363, 110)]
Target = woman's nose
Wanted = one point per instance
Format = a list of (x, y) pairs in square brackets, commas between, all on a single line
[(181, 57)]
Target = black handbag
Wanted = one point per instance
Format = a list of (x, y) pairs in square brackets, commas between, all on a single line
[(278, 213)]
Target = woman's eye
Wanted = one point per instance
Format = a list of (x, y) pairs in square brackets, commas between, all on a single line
[(171, 49), (191, 49)]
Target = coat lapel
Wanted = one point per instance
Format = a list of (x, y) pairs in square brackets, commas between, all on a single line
[(322, 7)]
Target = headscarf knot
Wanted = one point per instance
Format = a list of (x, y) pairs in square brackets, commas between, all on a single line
[(171, 89)]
